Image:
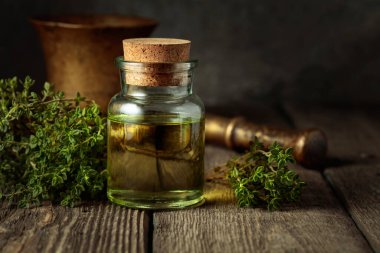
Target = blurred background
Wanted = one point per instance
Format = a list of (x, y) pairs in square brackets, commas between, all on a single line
[(325, 51)]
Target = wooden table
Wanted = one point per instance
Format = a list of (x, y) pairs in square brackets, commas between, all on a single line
[(339, 211)]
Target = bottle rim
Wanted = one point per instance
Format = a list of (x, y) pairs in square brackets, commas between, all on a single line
[(157, 67)]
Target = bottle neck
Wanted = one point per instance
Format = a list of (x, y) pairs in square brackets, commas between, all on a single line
[(156, 80), (156, 92)]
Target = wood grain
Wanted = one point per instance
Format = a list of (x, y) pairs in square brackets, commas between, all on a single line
[(317, 224), (93, 227), (354, 171), (359, 188)]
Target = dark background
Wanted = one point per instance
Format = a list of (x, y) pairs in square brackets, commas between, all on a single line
[(324, 51)]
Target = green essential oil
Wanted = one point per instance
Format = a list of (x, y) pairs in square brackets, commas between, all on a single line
[(155, 162)]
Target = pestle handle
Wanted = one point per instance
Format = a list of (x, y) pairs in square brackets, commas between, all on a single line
[(310, 145)]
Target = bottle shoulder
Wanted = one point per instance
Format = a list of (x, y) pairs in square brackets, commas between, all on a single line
[(189, 106)]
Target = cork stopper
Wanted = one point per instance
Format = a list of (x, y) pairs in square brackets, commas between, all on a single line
[(160, 52), (156, 50)]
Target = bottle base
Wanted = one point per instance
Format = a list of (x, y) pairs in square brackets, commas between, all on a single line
[(156, 200)]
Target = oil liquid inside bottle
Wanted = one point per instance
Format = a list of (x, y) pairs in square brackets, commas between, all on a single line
[(156, 161)]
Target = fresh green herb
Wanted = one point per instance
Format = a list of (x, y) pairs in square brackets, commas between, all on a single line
[(51, 148), (262, 177)]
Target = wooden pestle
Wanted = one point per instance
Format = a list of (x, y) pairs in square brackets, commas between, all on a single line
[(310, 145)]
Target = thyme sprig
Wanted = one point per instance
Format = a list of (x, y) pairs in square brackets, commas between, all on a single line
[(262, 177), (51, 148)]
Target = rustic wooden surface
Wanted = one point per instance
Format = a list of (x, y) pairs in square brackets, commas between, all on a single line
[(317, 224), (96, 227), (359, 188), (339, 211), (353, 169)]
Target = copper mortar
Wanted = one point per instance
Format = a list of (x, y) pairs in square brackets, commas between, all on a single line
[(80, 51)]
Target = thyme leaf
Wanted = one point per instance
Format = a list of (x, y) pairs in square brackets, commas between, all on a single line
[(51, 147), (262, 177)]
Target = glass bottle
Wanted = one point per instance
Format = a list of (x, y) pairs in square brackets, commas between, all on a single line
[(156, 138)]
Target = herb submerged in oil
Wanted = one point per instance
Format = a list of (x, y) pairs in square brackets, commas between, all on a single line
[(155, 158), (50, 147)]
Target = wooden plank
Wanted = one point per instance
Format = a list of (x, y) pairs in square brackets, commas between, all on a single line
[(359, 188), (92, 227), (317, 224), (354, 173)]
